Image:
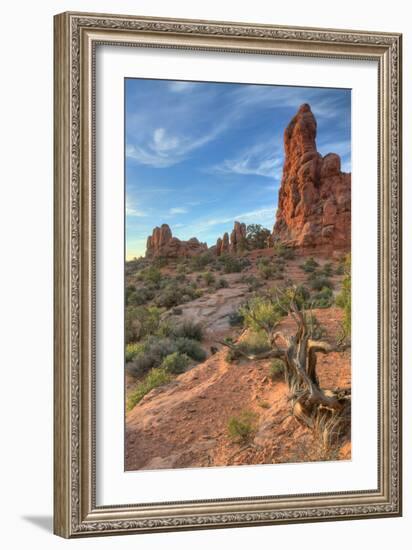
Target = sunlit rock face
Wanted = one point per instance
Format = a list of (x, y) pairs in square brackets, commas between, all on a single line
[(314, 205)]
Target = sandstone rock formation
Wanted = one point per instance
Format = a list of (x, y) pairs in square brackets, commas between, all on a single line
[(238, 238), (162, 244), (235, 244), (314, 206)]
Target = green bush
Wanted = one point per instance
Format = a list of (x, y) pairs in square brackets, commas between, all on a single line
[(141, 321), (139, 296), (155, 349), (319, 282), (132, 350), (174, 294), (208, 278), (221, 283), (191, 348), (326, 270), (188, 329), (175, 363), (284, 251), (260, 311), (253, 344), (230, 264), (152, 275), (340, 270), (235, 319), (242, 427), (200, 261), (309, 265), (323, 298), (277, 368), (252, 282), (265, 271), (154, 379)]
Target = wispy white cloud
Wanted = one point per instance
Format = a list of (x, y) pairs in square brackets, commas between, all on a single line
[(257, 215), (181, 86), (132, 210), (165, 150), (178, 210), (263, 159)]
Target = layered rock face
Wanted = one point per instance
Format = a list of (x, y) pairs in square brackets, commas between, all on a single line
[(162, 244), (235, 244), (314, 206)]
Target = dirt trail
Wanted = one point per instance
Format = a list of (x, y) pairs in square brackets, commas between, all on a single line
[(184, 423)]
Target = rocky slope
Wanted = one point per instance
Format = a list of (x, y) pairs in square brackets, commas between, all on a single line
[(314, 206)]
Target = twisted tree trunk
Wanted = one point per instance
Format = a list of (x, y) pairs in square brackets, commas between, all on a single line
[(324, 411)]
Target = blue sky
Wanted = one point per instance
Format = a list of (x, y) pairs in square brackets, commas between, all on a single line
[(200, 155)]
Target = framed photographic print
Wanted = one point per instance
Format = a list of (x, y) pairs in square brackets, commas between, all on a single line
[(227, 274)]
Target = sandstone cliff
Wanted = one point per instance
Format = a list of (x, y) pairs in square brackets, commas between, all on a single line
[(314, 205), (162, 244)]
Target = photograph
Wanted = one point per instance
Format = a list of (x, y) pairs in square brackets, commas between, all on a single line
[(237, 277)]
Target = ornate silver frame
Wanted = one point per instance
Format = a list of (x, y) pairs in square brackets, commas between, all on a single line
[(76, 36)]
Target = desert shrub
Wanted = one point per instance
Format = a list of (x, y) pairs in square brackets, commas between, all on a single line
[(318, 282), (277, 368), (252, 282), (252, 344), (160, 262), (135, 265), (340, 270), (209, 278), (174, 294), (309, 265), (152, 275), (284, 251), (181, 269), (139, 296), (235, 319), (175, 363), (200, 261), (132, 350), (153, 379), (188, 329), (190, 347), (180, 278), (323, 298), (257, 236), (141, 321), (265, 271), (242, 427), (326, 270), (230, 264), (260, 311), (221, 283), (154, 350), (344, 299), (178, 293)]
